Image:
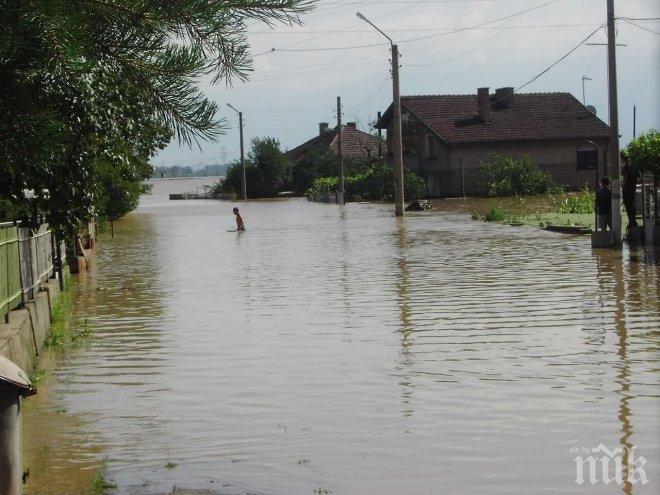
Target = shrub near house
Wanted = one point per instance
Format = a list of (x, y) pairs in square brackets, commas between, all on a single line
[(504, 176), (377, 184)]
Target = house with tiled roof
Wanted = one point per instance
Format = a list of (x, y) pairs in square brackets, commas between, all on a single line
[(357, 146), (448, 138)]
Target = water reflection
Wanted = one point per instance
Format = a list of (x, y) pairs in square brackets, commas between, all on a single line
[(406, 329), (118, 301), (631, 286)]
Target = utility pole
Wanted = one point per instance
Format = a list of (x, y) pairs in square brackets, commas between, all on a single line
[(243, 181), (397, 146), (340, 152), (584, 94), (615, 171), (380, 139), (634, 121)]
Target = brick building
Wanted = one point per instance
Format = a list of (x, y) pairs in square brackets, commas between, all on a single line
[(357, 146), (447, 138)]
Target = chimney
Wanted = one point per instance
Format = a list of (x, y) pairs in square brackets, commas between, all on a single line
[(351, 125), (504, 97), (323, 128), (483, 104)]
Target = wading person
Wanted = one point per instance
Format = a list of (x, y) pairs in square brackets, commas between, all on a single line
[(604, 204), (240, 226), (629, 188)]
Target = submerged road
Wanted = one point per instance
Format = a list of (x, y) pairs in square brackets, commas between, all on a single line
[(341, 351)]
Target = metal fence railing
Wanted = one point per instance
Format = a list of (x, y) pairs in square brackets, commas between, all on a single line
[(10, 271)]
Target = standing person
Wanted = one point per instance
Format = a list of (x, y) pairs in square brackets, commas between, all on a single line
[(240, 226), (629, 189), (604, 204)]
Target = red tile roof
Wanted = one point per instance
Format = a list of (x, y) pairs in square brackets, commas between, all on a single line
[(356, 144), (533, 116)]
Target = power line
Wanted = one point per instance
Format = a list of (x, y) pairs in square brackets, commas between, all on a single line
[(561, 59), (418, 30), (639, 27), (493, 21), (410, 40)]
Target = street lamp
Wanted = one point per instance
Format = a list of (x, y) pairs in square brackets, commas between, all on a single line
[(396, 139), (243, 182), (584, 97)]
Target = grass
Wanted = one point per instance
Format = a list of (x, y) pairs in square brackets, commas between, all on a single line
[(495, 215), (564, 210), (59, 328), (322, 491), (171, 465), (37, 375), (100, 484), (303, 460), (61, 331)]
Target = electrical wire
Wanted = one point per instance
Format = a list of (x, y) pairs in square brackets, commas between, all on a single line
[(639, 27), (561, 59), (411, 40)]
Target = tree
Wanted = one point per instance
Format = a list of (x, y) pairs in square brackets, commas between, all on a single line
[(644, 152), (267, 170), (111, 80), (504, 176), (273, 165), (314, 163)]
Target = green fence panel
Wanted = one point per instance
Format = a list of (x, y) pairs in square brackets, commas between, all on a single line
[(10, 271)]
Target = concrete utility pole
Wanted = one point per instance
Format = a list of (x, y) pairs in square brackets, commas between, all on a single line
[(397, 141), (584, 93), (615, 170), (397, 145), (380, 140), (340, 152), (243, 181)]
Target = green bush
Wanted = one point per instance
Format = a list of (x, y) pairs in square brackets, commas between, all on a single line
[(585, 202), (644, 152), (377, 184), (495, 215), (504, 176)]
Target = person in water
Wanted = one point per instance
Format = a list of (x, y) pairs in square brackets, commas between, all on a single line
[(239, 220)]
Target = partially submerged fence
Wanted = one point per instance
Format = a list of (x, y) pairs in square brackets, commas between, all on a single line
[(10, 271), (27, 260), (36, 255)]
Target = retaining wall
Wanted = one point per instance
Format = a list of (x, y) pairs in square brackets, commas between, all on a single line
[(22, 339)]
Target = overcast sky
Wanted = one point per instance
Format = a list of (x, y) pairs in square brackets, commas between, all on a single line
[(290, 92)]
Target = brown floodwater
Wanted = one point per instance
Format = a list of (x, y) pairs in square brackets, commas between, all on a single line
[(341, 349)]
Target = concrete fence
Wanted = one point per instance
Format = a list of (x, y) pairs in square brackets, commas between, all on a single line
[(10, 271), (36, 248), (28, 260)]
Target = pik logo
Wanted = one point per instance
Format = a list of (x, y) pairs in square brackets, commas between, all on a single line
[(607, 466)]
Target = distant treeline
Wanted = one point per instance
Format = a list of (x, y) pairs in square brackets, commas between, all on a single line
[(176, 172)]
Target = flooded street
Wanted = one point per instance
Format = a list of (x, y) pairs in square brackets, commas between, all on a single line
[(344, 351)]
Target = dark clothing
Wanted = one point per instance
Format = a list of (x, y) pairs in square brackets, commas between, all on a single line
[(629, 189), (604, 201)]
